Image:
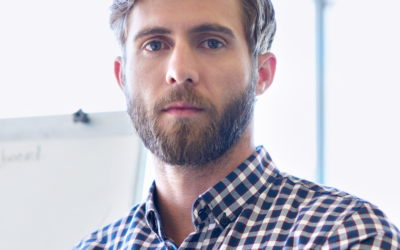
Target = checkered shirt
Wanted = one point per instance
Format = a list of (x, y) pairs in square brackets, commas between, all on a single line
[(257, 207)]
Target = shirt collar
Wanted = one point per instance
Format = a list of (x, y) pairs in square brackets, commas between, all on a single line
[(152, 217), (226, 199)]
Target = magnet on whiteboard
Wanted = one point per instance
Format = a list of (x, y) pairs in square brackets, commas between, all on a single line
[(81, 116)]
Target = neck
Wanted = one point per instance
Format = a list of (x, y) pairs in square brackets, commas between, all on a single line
[(178, 187)]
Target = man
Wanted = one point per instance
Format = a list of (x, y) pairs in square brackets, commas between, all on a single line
[(190, 71)]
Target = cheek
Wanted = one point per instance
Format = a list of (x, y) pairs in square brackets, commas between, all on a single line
[(145, 79), (226, 81)]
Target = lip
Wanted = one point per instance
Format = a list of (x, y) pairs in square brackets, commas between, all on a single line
[(181, 106), (182, 109)]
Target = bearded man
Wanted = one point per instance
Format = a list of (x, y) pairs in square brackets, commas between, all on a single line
[(191, 71)]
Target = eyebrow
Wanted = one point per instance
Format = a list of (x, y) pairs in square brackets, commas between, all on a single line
[(213, 28), (198, 29), (151, 31)]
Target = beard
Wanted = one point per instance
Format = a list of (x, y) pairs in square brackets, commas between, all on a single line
[(189, 141)]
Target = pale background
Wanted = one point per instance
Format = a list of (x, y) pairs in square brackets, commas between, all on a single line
[(61, 180), (57, 57)]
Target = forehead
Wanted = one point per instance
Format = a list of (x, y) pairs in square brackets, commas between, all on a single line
[(182, 15)]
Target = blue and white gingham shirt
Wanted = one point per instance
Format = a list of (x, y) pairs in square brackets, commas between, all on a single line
[(257, 207)]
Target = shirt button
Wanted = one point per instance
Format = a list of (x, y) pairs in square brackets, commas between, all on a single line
[(224, 220)]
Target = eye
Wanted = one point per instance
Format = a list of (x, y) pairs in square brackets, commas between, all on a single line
[(212, 44), (154, 46)]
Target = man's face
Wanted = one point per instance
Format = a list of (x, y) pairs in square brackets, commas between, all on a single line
[(188, 78)]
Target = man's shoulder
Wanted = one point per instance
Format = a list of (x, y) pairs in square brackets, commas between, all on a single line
[(311, 193), (106, 236), (325, 216), (315, 199)]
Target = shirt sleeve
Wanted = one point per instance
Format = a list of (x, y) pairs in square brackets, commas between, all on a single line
[(366, 228)]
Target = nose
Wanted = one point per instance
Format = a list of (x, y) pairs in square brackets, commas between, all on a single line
[(182, 67)]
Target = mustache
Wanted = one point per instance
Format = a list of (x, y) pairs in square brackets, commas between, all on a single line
[(182, 93)]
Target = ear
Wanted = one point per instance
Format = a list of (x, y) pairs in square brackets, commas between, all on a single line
[(266, 72), (118, 71)]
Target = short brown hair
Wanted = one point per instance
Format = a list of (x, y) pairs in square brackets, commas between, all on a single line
[(258, 20)]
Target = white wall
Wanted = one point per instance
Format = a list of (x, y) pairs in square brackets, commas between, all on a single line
[(57, 57), (363, 104), (285, 114)]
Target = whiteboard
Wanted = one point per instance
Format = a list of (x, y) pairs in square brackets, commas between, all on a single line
[(61, 180)]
